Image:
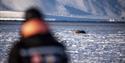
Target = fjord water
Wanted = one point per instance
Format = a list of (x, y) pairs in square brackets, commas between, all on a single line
[(104, 42)]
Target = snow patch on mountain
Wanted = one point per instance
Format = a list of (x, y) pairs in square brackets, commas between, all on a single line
[(71, 8)]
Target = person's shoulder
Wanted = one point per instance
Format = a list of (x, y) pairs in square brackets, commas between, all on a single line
[(16, 44)]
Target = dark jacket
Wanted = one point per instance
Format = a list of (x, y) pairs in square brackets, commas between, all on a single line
[(39, 40)]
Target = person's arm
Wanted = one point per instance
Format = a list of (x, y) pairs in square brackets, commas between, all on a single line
[(14, 55)]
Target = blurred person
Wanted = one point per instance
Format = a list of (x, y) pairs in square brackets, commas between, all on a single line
[(36, 44)]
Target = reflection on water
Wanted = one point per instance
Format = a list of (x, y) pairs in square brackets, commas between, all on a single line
[(105, 44)]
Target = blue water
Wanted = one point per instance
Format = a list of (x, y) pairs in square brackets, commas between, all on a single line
[(103, 42), (89, 27)]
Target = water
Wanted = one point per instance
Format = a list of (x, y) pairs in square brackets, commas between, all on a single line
[(89, 27), (103, 43)]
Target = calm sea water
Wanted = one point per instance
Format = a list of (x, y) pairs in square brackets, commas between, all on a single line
[(89, 27), (102, 43)]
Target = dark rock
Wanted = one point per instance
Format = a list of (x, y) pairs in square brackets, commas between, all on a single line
[(80, 31)]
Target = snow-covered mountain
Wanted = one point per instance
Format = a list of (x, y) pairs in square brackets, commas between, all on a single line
[(90, 9)]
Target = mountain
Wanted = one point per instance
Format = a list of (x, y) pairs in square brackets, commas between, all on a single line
[(90, 9), (3, 7)]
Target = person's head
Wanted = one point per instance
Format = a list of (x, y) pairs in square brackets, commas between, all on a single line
[(33, 24), (33, 13)]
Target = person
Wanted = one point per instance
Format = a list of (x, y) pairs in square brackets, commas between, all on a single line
[(36, 44)]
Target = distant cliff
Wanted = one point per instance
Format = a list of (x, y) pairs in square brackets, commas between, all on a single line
[(114, 9)]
